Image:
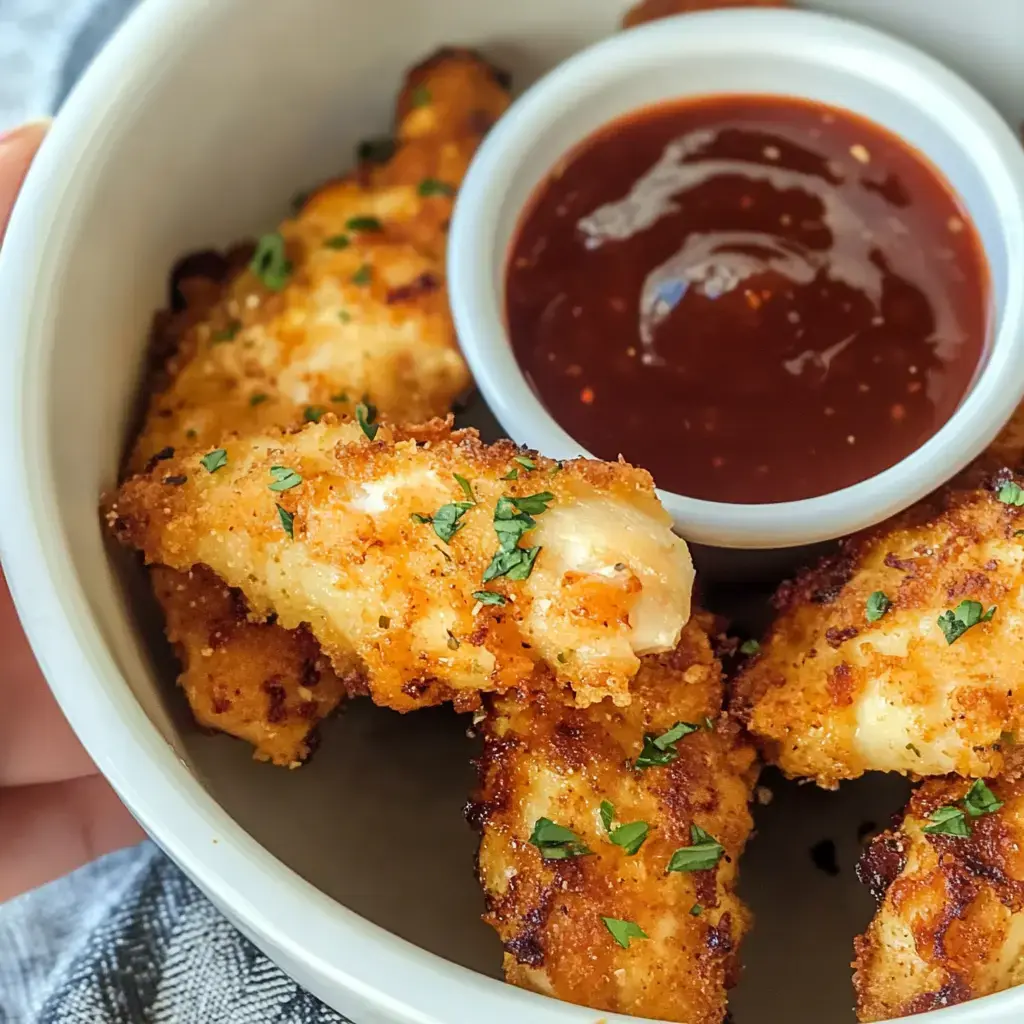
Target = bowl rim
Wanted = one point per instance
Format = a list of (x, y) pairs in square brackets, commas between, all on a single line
[(849, 47), (284, 914)]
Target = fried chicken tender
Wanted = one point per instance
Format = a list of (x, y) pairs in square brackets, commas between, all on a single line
[(264, 684), (833, 694), (950, 925), (367, 320), (353, 304), (420, 563), (544, 759)]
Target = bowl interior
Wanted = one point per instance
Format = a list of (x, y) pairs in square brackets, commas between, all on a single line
[(206, 150)]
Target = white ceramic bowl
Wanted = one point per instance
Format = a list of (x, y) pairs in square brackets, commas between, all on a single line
[(193, 129), (770, 51)]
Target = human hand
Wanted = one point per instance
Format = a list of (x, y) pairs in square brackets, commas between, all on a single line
[(56, 812)]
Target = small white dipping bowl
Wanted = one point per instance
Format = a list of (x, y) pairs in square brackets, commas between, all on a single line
[(774, 52)]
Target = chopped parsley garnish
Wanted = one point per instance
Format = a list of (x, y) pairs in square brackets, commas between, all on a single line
[(981, 800), (524, 462), (467, 487), (284, 479), (446, 520), (258, 398), (913, 749), (217, 459), (421, 96), (709, 723), (489, 597), (967, 613), (607, 811), (270, 263), (363, 274), (512, 474), (313, 413), (287, 521), (703, 853), (341, 396), (375, 151), (696, 910), (556, 842), (878, 604), (630, 836), (227, 333), (338, 242), (623, 931), (433, 187), (344, 316), (1011, 494), (947, 821), (513, 517), (364, 224), (749, 647), (661, 750), (366, 414)]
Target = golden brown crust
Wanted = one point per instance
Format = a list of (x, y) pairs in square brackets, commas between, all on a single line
[(265, 685), (544, 758), (381, 590), (652, 10), (950, 925), (320, 338), (832, 695)]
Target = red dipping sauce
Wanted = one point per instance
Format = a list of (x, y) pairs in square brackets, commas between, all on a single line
[(758, 299)]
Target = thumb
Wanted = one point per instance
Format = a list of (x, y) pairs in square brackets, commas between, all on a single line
[(17, 148)]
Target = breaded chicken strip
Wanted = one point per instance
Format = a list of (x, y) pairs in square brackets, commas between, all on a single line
[(370, 319), (439, 567), (347, 299), (904, 652), (950, 925), (611, 884), (264, 684)]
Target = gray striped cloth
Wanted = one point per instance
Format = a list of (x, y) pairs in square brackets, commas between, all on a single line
[(127, 939)]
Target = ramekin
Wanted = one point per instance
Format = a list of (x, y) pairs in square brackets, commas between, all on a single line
[(775, 52)]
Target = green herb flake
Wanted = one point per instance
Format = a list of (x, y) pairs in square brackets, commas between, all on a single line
[(341, 396), (467, 487), (696, 910), (524, 461), (913, 749), (363, 274), (257, 398), (709, 723), (623, 931), (421, 96), (337, 242), (703, 853), (283, 478), (287, 521), (556, 842), (366, 414), (512, 474), (661, 750), (981, 800), (630, 836), (313, 413), (344, 316), (446, 519), (1011, 494), (375, 151), (212, 461), (947, 821), (533, 504), (228, 333), (607, 811), (270, 263), (364, 224), (432, 187), (749, 647), (966, 614), (516, 564), (191, 433), (877, 605), (489, 597)]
